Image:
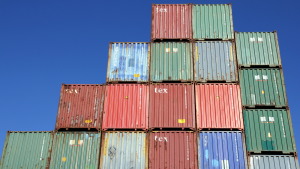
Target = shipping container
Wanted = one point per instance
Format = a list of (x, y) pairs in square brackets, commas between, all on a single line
[(215, 61), (222, 149), (257, 49), (128, 62), (273, 162), (172, 106), (171, 61), (173, 149), (27, 149), (171, 21), (212, 21), (80, 106), (76, 150), (126, 106), (263, 87), (124, 150), (269, 130), (219, 106)]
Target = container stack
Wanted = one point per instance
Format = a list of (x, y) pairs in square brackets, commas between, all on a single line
[(196, 96), (268, 126)]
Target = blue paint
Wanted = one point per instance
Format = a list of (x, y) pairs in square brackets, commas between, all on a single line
[(215, 163)]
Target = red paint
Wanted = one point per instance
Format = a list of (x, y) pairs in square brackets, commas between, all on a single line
[(172, 106), (173, 149), (171, 21), (80, 106), (126, 106), (218, 106)]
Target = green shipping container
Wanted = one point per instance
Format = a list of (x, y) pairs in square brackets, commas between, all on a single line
[(269, 130), (212, 21), (263, 87), (27, 149), (257, 48), (171, 61), (76, 150)]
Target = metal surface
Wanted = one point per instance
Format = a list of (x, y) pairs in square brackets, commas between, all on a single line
[(257, 48), (171, 61), (128, 62), (212, 21), (80, 106), (263, 87), (76, 150), (269, 130), (124, 150), (126, 106), (173, 149), (171, 21), (273, 162), (27, 149), (215, 61), (221, 149), (218, 106), (172, 106)]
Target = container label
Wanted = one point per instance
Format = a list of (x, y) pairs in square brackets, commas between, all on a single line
[(161, 138), (265, 77), (260, 40), (175, 50), (262, 119), (72, 142), (168, 50), (80, 142), (271, 119), (252, 40), (181, 120), (160, 90), (72, 91), (257, 78), (88, 121), (136, 75), (64, 159), (161, 10)]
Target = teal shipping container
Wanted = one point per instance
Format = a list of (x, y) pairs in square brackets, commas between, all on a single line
[(273, 162), (263, 87), (76, 150), (212, 21), (257, 49), (171, 61), (27, 149)]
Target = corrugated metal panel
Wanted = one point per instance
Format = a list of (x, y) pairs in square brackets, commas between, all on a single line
[(27, 150), (171, 21), (76, 150), (257, 48), (269, 130), (215, 61), (212, 21), (273, 162), (222, 149), (126, 106), (80, 106), (128, 61), (173, 149), (124, 150), (172, 106), (263, 87), (219, 105), (171, 61)]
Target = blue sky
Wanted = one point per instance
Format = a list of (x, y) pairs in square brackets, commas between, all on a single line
[(46, 43)]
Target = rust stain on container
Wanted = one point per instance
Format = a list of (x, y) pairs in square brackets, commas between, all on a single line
[(219, 106), (80, 106), (126, 106), (171, 21), (173, 149), (172, 106)]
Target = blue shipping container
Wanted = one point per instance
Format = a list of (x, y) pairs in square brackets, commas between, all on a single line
[(222, 149), (128, 62)]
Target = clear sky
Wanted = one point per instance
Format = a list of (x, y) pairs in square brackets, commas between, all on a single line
[(46, 43)]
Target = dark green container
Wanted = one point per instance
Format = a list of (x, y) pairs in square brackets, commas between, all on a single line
[(269, 130), (262, 87)]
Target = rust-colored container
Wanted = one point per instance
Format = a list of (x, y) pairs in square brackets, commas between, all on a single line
[(173, 149), (126, 106), (80, 106), (171, 21), (172, 106), (219, 106)]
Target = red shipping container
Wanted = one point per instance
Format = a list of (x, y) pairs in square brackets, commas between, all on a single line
[(171, 21), (219, 106), (173, 149), (126, 106), (80, 106), (172, 106)]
